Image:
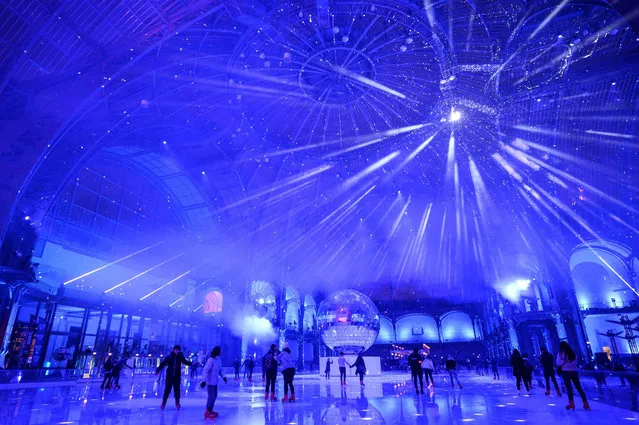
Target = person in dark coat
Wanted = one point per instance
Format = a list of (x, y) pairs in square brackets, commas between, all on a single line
[(108, 373), (415, 362), (173, 363), (528, 371), (517, 362), (270, 367), (360, 368), (548, 364)]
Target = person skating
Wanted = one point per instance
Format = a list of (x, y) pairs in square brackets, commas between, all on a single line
[(360, 368), (108, 373), (567, 366), (211, 375), (341, 363), (451, 368), (517, 363), (548, 365), (250, 365), (117, 370), (528, 372), (270, 370), (495, 366), (237, 364), (288, 373), (173, 364), (415, 362), (327, 370), (428, 367), (264, 368)]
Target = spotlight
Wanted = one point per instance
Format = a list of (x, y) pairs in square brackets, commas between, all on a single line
[(523, 284), (27, 218), (203, 172), (455, 115)]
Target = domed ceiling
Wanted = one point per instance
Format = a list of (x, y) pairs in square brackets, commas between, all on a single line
[(414, 147)]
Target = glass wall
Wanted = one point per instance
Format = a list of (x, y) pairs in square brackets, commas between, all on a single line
[(49, 335)]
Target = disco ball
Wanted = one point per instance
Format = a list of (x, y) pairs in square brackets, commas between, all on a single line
[(348, 321)]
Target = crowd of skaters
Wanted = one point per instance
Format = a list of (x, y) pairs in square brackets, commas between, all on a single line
[(420, 363)]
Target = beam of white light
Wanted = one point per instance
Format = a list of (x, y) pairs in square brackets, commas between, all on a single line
[(370, 169), (145, 272), (430, 13), (292, 180), (421, 234), (582, 183), (165, 285), (549, 18), (623, 223), (399, 218), (520, 156), (450, 165), (506, 166), (605, 133), (364, 138), (189, 292), (367, 81), (556, 153), (346, 204), (557, 180), (583, 224), (112, 263), (481, 194), (416, 152), (199, 307), (352, 148)]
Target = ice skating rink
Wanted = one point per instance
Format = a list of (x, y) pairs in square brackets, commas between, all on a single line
[(389, 399)]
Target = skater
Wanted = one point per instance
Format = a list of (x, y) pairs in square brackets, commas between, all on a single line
[(237, 364), (108, 373), (117, 370), (210, 378), (517, 362), (360, 368), (548, 364), (528, 372), (567, 366), (250, 365), (270, 369), (263, 368), (327, 370), (451, 368), (193, 368), (173, 363), (495, 366), (288, 372), (341, 362), (427, 368), (415, 362)]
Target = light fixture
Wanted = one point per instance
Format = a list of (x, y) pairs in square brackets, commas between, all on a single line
[(455, 115)]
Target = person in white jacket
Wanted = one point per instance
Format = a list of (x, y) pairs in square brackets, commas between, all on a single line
[(210, 378), (567, 366), (288, 372), (427, 368)]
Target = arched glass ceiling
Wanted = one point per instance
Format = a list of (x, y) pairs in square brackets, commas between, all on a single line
[(419, 144)]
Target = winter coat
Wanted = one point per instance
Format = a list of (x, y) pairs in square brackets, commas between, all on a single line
[(173, 363), (212, 371), (548, 363), (286, 360), (415, 362)]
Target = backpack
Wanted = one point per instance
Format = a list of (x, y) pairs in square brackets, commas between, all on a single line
[(269, 361)]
